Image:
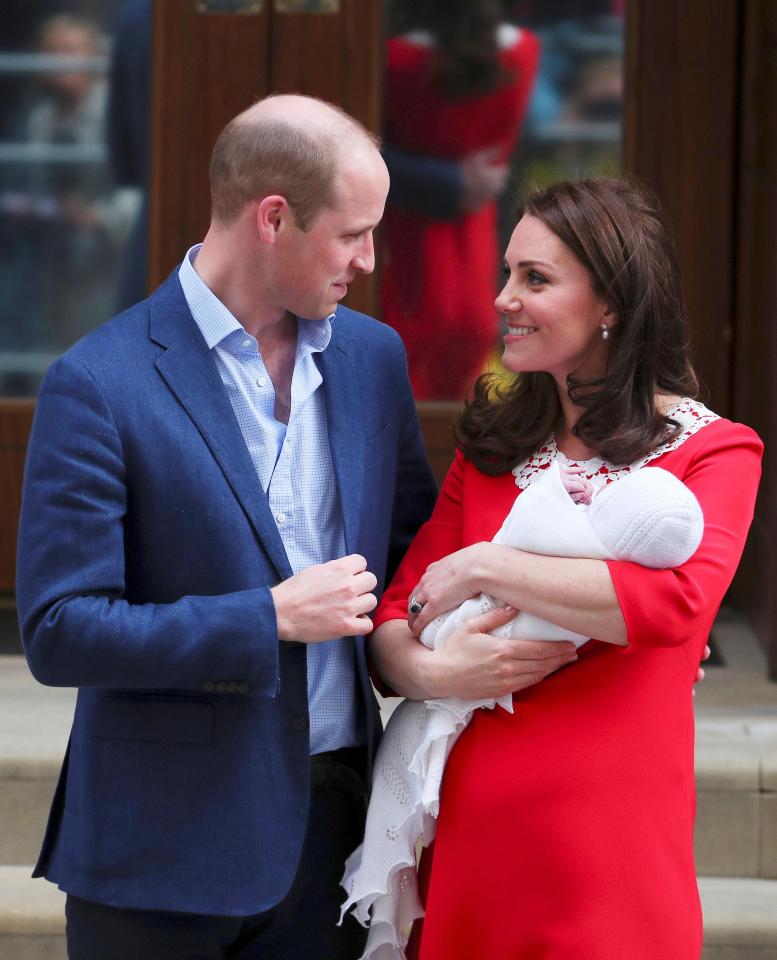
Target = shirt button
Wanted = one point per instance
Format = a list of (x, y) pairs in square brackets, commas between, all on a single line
[(300, 723), (281, 517), (246, 343), (261, 382)]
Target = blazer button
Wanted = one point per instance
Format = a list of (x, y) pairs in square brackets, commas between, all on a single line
[(232, 686), (209, 686), (300, 723), (244, 687), (221, 686)]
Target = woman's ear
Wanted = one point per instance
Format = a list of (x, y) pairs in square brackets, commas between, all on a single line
[(609, 316)]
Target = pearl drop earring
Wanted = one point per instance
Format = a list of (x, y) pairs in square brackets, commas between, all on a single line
[(605, 331)]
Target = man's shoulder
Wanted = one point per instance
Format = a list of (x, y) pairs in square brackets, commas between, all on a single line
[(360, 327), (120, 331), (131, 328)]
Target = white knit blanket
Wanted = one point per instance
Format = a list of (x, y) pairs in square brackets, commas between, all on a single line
[(648, 517)]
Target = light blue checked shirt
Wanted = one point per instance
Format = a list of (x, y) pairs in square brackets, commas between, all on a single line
[(294, 467)]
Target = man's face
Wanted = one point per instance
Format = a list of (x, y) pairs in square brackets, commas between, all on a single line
[(316, 266)]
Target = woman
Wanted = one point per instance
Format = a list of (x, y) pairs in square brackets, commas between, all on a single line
[(457, 88), (566, 829)]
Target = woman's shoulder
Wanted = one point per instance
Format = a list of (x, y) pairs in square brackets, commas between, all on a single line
[(700, 431), (702, 427), (703, 433)]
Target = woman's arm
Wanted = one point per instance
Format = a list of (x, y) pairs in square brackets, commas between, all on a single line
[(472, 664), (618, 600), (572, 593)]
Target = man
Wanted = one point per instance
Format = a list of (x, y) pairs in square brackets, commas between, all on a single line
[(217, 481)]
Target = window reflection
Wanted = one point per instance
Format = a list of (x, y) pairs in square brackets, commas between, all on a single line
[(483, 98), (63, 224)]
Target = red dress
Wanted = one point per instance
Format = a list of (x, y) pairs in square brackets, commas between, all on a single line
[(566, 829), (439, 277)]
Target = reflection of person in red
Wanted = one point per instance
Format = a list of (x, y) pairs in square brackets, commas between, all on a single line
[(457, 87)]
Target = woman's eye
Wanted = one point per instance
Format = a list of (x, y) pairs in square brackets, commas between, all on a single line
[(505, 271), (535, 279)]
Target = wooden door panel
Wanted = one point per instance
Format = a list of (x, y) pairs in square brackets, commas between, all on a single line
[(680, 136), (15, 423), (337, 57), (207, 68), (755, 379)]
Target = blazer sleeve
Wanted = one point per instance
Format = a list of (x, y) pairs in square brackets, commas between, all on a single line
[(77, 628), (664, 608)]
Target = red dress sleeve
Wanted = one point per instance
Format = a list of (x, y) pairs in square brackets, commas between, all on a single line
[(721, 465), (439, 536)]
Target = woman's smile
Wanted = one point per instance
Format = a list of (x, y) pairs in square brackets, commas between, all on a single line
[(518, 332)]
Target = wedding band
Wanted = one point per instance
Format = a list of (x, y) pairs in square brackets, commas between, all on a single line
[(414, 606)]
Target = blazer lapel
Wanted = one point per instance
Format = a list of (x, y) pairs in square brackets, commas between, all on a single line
[(190, 372), (346, 434)]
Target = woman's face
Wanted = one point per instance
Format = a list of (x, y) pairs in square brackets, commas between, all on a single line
[(554, 317)]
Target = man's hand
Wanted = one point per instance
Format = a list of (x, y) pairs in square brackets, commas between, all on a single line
[(700, 672), (326, 601), (474, 665)]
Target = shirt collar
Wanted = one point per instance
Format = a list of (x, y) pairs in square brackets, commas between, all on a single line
[(217, 323)]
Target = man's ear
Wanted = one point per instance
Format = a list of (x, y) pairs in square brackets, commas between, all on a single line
[(272, 215)]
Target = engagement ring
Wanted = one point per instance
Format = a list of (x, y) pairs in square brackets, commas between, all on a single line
[(414, 606)]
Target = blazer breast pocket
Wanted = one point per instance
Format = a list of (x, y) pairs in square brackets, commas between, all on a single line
[(151, 717)]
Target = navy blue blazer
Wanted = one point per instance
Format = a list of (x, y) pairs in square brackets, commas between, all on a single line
[(146, 553)]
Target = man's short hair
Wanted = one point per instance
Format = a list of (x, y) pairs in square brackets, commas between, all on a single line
[(259, 157)]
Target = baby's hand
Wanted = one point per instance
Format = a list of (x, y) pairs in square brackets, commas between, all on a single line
[(575, 483)]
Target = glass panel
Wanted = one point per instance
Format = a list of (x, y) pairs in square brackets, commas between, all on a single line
[(483, 99), (64, 224)]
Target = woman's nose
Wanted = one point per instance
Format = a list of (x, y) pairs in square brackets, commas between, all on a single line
[(508, 302)]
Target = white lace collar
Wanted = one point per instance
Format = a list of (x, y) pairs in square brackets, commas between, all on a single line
[(690, 414)]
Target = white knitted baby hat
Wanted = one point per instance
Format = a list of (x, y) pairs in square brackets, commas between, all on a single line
[(649, 517)]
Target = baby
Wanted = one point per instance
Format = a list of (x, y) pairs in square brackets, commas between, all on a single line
[(648, 517)]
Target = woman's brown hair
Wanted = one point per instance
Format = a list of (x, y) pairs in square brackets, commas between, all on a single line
[(616, 230)]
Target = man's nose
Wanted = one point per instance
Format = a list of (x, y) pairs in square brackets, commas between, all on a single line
[(364, 261)]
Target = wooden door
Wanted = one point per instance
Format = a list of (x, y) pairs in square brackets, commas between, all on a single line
[(755, 357), (208, 66)]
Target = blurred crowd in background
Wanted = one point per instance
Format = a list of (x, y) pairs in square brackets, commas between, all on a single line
[(482, 97)]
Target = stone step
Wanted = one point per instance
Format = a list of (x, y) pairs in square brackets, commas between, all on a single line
[(736, 768), (736, 814), (740, 918), (34, 727), (32, 919)]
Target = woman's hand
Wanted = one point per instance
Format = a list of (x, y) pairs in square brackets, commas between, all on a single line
[(477, 666), (446, 584), (472, 664)]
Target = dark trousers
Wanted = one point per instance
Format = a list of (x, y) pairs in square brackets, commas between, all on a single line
[(303, 926)]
